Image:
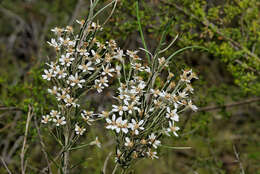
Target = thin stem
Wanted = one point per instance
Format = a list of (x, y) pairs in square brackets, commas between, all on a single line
[(9, 172), (111, 13), (247, 101), (66, 151), (141, 32), (115, 169), (23, 161), (105, 163), (42, 145)]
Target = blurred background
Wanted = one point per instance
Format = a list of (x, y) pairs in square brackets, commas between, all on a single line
[(224, 134)]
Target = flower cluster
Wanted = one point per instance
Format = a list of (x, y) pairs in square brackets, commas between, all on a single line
[(144, 110), (83, 63)]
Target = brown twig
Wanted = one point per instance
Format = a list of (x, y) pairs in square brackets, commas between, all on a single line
[(15, 146), (42, 145), (238, 160), (247, 101), (8, 140), (212, 108), (23, 161), (114, 171), (105, 163), (54, 160), (5, 166), (4, 108)]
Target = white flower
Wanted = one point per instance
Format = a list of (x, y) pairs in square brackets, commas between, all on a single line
[(103, 81), (96, 142), (131, 107), (183, 94), (162, 61), (153, 141), (57, 30), (96, 56), (54, 90), (74, 80), (60, 72), (55, 113), (147, 69), (119, 55), (152, 154), (54, 44), (62, 95), (172, 114), (138, 66), (67, 42), (155, 92), (128, 142), (86, 116), (133, 54), (139, 88), (96, 26), (121, 125), (81, 22), (69, 29), (165, 95), (79, 130), (48, 74), (111, 123), (193, 107), (98, 87), (83, 52), (104, 114), (136, 126), (118, 69), (70, 101), (184, 76), (123, 93), (45, 119), (189, 88), (52, 65), (107, 71), (66, 59), (173, 128), (134, 99), (59, 121), (120, 109), (86, 67)]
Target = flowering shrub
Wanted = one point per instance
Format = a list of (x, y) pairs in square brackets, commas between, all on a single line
[(146, 111), (82, 64)]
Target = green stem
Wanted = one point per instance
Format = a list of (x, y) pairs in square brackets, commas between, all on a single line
[(140, 30)]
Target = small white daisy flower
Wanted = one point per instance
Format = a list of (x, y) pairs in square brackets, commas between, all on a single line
[(46, 119), (59, 121), (79, 130)]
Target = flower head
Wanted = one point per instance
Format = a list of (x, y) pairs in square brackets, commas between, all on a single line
[(79, 130)]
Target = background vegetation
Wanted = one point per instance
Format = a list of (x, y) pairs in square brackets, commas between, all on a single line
[(223, 134)]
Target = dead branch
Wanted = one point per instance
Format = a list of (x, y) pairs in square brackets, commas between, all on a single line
[(23, 161), (5, 166), (238, 160), (247, 101), (42, 145), (4, 108), (212, 108), (105, 163)]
